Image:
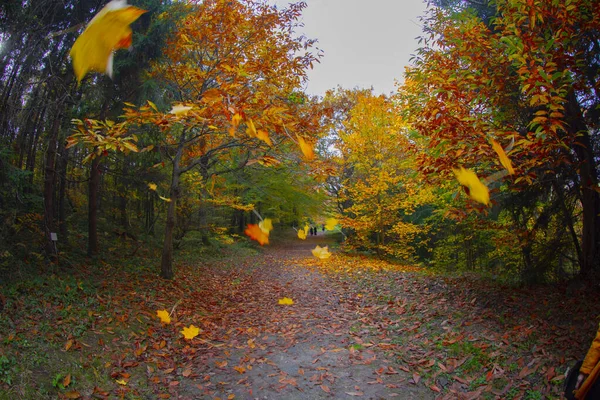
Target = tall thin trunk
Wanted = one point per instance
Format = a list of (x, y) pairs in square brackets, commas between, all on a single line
[(166, 264), (49, 184), (93, 187), (590, 199), (62, 190)]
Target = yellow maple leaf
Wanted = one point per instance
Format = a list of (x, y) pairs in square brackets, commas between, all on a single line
[(190, 332), (251, 130), (266, 225), (331, 223), (152, 186), (264, 136), (286, 301), (307, 149), (108, 31), (164, 316), (302, 233), (477, 190), (503, 157), (121, 382), (321, 252), (180, 109)]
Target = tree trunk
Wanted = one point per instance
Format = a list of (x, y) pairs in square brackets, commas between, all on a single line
[(93, 207), (590, 199), (62, 190), (166, 264), (49, 184)]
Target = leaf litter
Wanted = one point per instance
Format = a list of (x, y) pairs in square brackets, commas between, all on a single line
[(358, 327)]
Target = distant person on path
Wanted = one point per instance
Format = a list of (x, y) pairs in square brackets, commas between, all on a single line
[(323, 227), (587, 381)]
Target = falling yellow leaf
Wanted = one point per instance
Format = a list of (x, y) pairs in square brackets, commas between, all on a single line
[(264, 136), (164, 316), (108, 31), (121, 382), (286, 301), (266, 225), (503, 157), (190, 332), (251, 130), (477, 190), (331, 223), (303, 233), (152, 186), (307, 149), (165, 199), (180, 109), (235, 122), (321, 252)]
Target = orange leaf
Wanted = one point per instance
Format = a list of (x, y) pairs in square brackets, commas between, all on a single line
[(255, 233), (264, 136), (503, 157), (240, 369), (307, 149)]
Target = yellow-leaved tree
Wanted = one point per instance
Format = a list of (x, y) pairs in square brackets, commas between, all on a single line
[(378, 190), (233, 72)]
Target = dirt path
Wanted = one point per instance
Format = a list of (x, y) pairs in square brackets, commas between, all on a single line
[(302, 351), (359, 328)]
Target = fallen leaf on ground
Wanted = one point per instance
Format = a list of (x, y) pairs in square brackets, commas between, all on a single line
[(164, 316), (286, 301), (190, 332)]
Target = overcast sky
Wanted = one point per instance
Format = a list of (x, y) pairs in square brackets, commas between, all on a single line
[(365, 42)]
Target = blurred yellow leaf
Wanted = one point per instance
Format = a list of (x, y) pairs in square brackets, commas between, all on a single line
[(190, 332), (302, 233), (251, 130), (165, 199), (321, 252), (266, 225), (264, 136), (121, 382), (331, 223), (180, 109), (307, 149), (286, 301), (477, 190), (164, 316), (503, 157), (108, 31), (152, 186), (235, 122)]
